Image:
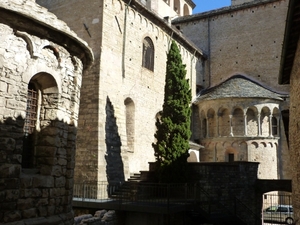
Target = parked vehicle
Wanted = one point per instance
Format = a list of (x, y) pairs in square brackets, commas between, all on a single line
[(279, 213)]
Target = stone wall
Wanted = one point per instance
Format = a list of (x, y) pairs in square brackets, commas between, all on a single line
[(244, 39), (40, 80), (294, 130)]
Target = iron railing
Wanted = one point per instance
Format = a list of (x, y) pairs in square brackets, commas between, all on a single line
[(188, 196)]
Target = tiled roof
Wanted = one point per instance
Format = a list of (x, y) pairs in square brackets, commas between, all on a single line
[(239, 86)]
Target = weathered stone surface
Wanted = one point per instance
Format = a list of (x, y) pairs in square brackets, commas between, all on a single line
[(29, 213), (30, 163), (10, 170), (43, 181), (60, 182), (12, 216)]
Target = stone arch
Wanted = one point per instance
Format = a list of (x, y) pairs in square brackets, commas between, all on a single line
[(55, 52), (265, 121), (132, 14), (224, 122), (41, 109), (238, 124), (35, 68), (30, 45), (139, 17), (252, 124), (117, 3), (130, 123), (212, 125), (151, 26), (253, 148), (146, 22), (255, 144), (264, 144), (186, 10)]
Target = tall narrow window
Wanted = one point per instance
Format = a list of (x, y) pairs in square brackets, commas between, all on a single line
[(274, 126), (130, 118), (148, 54), (29, 127)]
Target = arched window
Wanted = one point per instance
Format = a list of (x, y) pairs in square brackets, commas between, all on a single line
[(186, 10), (252, 124), (148, 54), (130, 114), (211, 116), (224, 122), (274, 126), (42, 99), (238, 122), (30, 127)]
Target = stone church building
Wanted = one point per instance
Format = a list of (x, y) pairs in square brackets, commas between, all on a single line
[(50, 94), (123, 93), (232, 57)]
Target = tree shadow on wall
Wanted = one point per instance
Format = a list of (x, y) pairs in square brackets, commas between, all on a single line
[(114, 163)]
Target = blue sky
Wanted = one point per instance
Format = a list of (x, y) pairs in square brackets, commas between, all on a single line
[(206, 5)]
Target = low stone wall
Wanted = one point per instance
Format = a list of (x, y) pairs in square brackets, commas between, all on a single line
[(101, 217)]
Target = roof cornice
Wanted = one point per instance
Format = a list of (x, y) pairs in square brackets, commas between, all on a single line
[(224, 10), (172, 31)]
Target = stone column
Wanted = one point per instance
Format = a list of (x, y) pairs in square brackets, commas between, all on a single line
[(218, 125), (258, 125), (207, 130), (230, 123), (245, 125), (270, 126)]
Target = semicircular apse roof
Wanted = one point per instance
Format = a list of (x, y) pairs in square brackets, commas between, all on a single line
[(239, 86)]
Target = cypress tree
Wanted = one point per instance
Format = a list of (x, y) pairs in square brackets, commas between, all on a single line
[(173, 125)]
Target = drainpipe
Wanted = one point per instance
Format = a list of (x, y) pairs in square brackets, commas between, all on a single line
[(124, 39)]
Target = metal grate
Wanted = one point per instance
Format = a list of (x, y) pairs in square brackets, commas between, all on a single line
[(31, 112)]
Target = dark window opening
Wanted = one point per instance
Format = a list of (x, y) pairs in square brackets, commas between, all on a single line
[(230, 157), (148, 54), (285, 118), (274, 126), (29, 127)]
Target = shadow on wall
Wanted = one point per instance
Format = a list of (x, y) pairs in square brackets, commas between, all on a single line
[(36, 170), (114, 163)]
